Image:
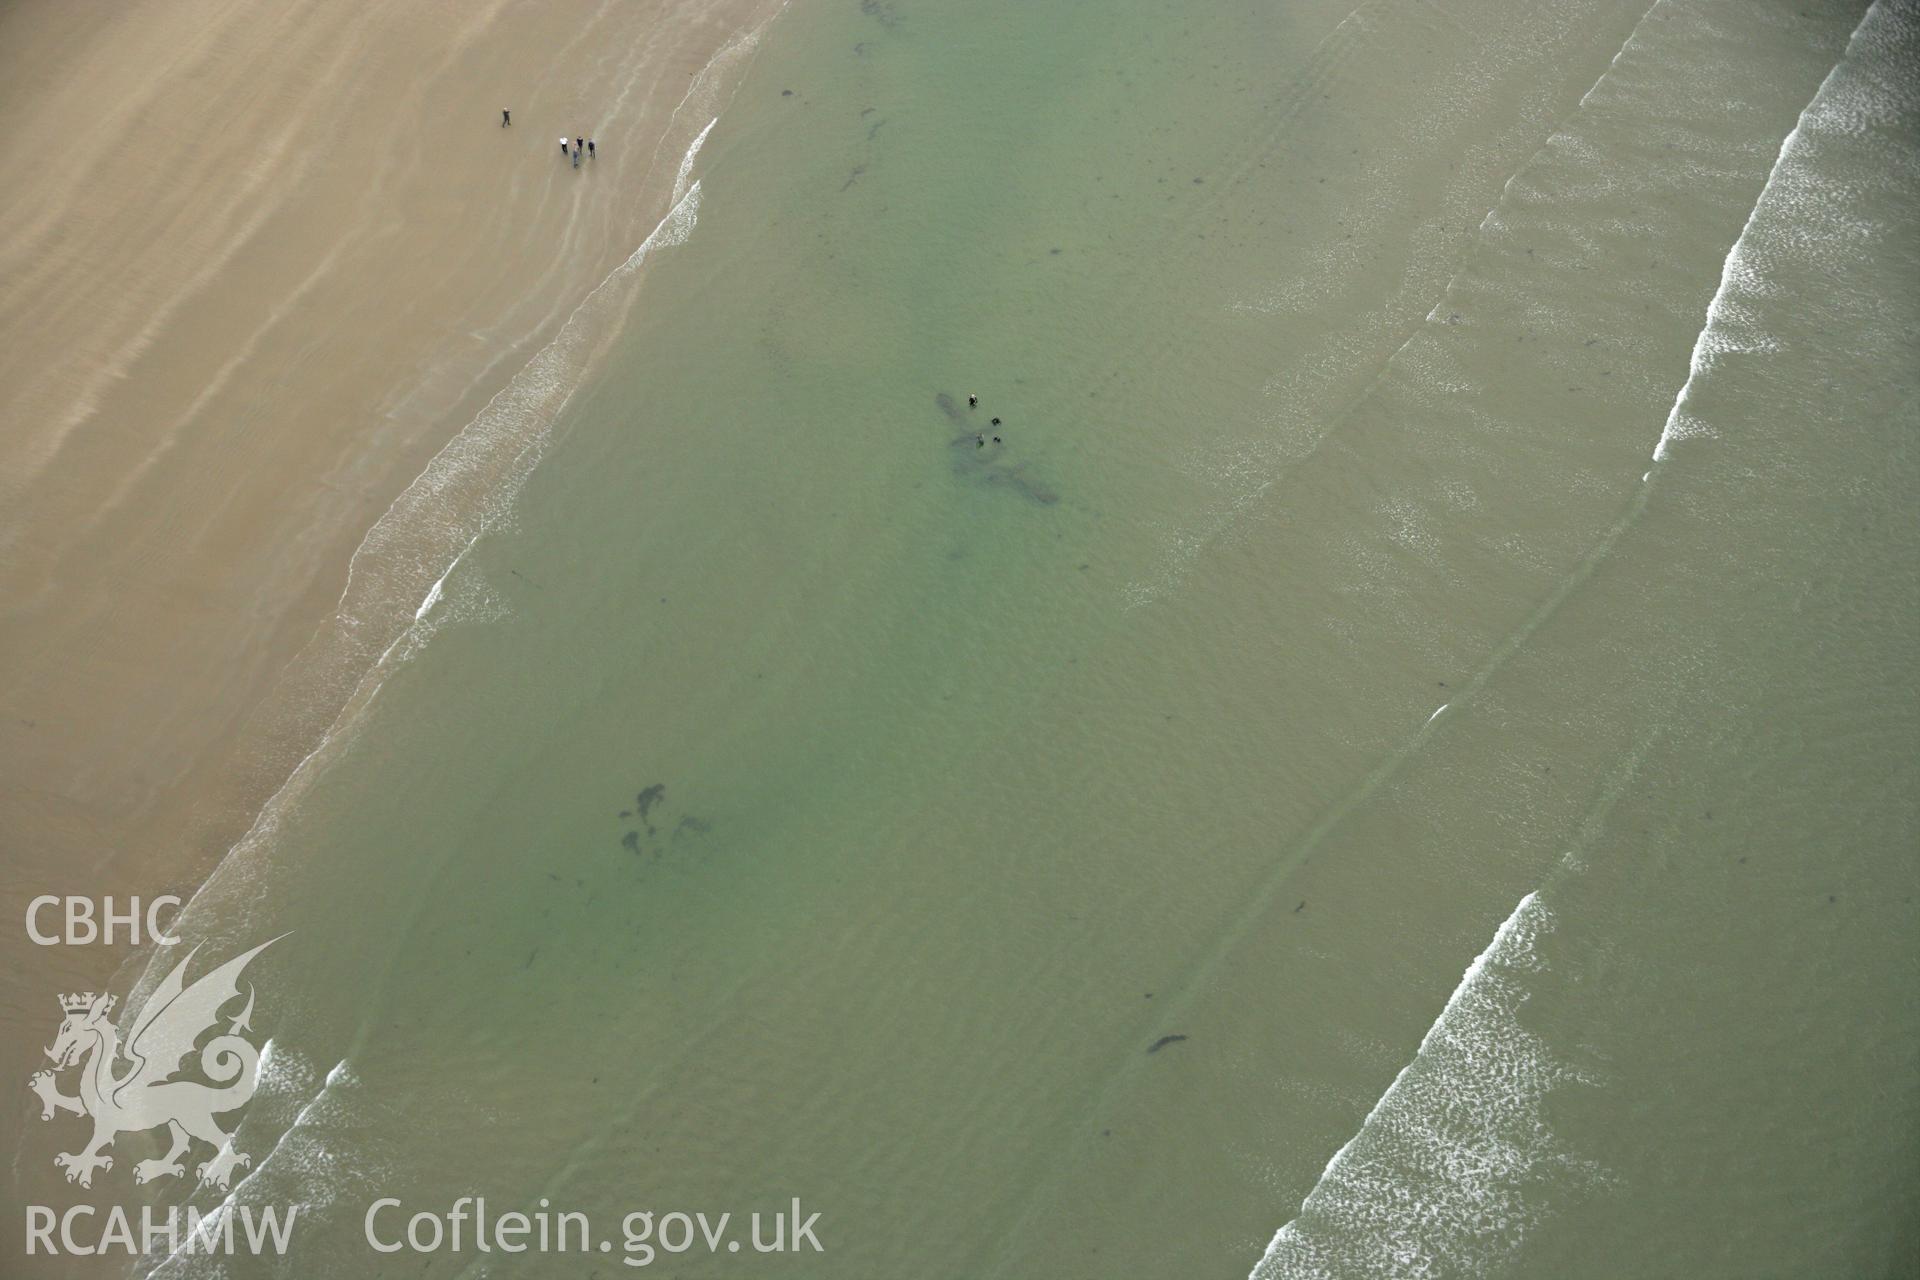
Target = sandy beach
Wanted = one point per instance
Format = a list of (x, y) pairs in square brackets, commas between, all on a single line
[(261, 263)]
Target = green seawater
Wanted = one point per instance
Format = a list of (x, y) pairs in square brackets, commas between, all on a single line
[(795, 797)]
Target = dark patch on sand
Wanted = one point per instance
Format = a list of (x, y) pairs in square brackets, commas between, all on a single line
[(988, 460), (683, 834)]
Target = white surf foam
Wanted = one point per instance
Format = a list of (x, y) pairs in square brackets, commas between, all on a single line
[(1437, 1180), (1792, 206), (512, 431), (296, 1174), (464, 491)]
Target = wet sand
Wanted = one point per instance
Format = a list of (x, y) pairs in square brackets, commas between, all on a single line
[(261, 267)]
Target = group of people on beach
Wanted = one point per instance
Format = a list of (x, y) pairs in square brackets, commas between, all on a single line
[(980, 441), (567, 148)]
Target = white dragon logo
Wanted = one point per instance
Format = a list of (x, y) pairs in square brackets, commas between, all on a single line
[(143, 1097)]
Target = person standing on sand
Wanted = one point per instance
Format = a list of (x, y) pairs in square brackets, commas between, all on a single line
[(589, 148), (506, 117), (576, 156), (563, 148)]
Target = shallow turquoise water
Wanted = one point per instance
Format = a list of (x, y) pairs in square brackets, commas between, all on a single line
[(1319, 604)]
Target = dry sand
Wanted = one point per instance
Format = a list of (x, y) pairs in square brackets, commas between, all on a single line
[(260, 262)]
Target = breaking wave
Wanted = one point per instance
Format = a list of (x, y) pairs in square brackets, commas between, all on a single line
[(1443, 1176), (1795, 211)]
